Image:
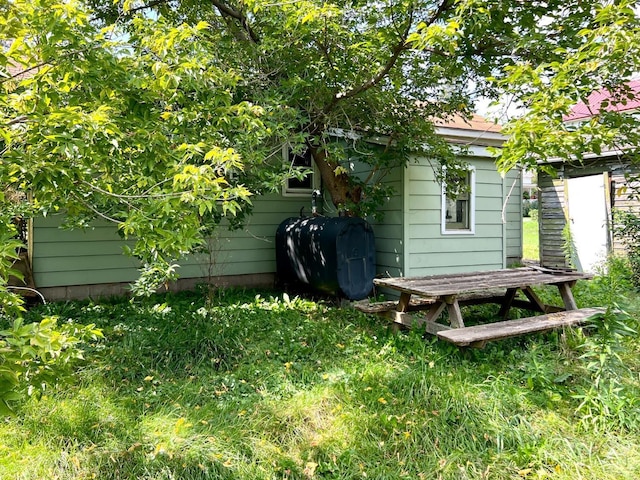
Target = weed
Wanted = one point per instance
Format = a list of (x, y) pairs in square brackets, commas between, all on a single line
[(606, 400)]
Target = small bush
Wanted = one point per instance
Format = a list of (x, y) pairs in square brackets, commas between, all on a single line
[(35, 355), (32, 355), (627, 229), (528, 206)]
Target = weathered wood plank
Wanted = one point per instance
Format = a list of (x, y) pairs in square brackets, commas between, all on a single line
[(420, 303), (416, 303), (433, 328), (440, 285), (479, 334)]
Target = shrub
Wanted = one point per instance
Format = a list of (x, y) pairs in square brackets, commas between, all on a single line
[(32, 355), (627, 229), (10, 303), (35, 355), (528, 206)]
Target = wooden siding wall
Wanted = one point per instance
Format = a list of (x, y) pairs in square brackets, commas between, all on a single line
[(431, 252), (94, 256), (552, 220), (553, 212)]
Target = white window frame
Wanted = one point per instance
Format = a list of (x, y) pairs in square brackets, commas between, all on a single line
[(471, 230), (289, 191)]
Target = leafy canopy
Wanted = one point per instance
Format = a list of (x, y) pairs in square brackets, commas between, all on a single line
[(166, 117), (602, 57)]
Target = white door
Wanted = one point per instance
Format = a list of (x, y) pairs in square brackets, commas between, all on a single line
[(588, 221)]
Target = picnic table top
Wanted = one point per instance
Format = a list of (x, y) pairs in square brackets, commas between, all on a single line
[(454, 284)]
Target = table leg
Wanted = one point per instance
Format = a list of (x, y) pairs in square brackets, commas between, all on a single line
[(507, 301), (434, 311), (535, 300), (567, 295), (453, 309), (455, 315), (403, 303), (399, 316)]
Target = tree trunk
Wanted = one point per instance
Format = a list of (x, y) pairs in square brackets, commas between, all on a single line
[(344, 194)]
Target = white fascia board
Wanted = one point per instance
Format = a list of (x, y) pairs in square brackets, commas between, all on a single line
[(476, 151), (465, 150), (471, 139)]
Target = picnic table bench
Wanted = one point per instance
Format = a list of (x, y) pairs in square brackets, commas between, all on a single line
[(507, 287)]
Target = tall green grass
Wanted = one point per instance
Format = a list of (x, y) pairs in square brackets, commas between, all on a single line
[(530, 239), (256, 385)]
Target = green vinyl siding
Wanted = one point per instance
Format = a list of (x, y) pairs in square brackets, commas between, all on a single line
[(78, 257), (408, 239), (388, 231), (95, 256), (464, 261), (431, 252)]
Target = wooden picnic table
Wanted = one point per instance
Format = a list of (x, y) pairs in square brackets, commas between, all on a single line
[(496, 286)]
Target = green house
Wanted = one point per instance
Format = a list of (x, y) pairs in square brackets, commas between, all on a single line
[(423, 232)]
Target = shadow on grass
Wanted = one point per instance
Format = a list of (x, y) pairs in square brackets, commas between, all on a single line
[(251, 386)]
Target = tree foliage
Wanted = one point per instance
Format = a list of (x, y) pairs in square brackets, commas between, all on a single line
[(165, 117), (144, 132), (603, 56)]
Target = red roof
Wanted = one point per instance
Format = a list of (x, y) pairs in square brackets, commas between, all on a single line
[(594, 105), (476, 122)]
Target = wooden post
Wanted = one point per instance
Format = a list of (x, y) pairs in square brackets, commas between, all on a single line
[(506, 302), (567, 295), (455, 315), (403, 303)]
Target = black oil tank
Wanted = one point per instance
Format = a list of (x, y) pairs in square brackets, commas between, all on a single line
[(335, 255)]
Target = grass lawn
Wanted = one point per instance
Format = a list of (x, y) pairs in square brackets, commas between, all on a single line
[(254, 386), (531, 247)]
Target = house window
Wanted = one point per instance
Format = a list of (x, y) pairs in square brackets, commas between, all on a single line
[(300, 162), (458, 212)]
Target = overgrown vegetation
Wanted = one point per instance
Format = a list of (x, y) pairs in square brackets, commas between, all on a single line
[(254, 385), (36, 356), (33, 356), (627, 229)]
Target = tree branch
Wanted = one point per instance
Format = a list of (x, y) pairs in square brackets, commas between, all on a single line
[(23, 73), (396, 51), (15, 121), (445, 6), (226, 11), (377, 78), (152, 4)]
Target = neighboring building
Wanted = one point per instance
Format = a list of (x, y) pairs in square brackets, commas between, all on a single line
[(529, 184), (602, 100), (576, 204), (423, 232)]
